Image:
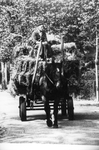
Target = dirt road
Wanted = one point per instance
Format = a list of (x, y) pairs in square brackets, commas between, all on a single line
[(84, 130)]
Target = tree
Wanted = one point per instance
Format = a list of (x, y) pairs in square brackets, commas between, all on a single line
[(74, 19)]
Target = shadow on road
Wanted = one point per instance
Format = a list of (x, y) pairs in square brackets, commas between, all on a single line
[(77, 117), (43, 117), (36, 117), (85, 116)]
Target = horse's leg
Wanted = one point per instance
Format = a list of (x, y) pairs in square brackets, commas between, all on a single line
[(43, 90), (55, 113), (47, 110)]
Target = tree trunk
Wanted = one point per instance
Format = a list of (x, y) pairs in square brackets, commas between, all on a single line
[(4, 75), (96, 66)]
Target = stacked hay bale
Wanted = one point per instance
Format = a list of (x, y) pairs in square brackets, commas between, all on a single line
[(23, 70), (69, 51), (25, 60), (70, 59)]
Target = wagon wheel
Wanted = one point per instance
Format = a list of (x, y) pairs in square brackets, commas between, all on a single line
[(20, 101), (22, 109), (70, 109), (63, 108)]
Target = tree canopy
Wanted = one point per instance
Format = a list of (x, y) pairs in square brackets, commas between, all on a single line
[(75, 19)]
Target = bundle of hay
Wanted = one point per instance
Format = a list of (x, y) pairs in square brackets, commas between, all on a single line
[(25, 60), (53, 39), (23, 73), (20, 50), (68, 53), (71, 62)]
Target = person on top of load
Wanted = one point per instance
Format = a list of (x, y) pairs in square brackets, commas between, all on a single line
[(39, 34)]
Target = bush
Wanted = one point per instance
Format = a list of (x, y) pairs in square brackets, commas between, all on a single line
[(87, 90)]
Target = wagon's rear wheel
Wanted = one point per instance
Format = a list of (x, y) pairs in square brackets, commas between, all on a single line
[(22, 108), (70, 109)]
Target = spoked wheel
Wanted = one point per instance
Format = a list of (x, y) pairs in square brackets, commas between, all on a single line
[(70, 109), (22, 108)]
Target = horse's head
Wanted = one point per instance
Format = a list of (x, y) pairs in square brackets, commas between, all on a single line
[(54, 75)]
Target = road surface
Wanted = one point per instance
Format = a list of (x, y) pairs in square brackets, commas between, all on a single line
[(84, 130)]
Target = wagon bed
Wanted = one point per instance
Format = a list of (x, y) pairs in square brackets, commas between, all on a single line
[(66, 108)]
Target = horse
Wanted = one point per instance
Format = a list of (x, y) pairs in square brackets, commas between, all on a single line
[(51, 88)]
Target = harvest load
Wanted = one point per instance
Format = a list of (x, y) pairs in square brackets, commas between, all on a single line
[(24, 65)]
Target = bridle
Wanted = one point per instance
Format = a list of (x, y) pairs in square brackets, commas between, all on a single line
[(51, 81)]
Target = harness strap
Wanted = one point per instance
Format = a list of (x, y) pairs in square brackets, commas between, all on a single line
[(49, 79)]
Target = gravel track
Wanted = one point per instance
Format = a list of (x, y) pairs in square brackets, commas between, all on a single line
[(84, 130)]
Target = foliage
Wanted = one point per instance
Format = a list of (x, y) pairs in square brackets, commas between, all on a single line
[(74, 19), (87, 89)]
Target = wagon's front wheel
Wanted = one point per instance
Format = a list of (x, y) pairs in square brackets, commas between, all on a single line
[(70, 109), (22, 110)]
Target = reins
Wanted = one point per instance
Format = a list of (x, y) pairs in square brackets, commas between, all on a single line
[(49, 79)]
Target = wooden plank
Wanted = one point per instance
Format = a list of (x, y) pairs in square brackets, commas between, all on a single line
[(36, 65)]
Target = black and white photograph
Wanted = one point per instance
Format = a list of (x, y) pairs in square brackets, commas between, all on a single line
[(49, 74)]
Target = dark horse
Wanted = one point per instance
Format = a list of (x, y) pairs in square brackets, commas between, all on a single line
[(51, 88)]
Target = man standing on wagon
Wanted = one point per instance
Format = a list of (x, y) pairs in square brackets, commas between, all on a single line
[(39, 34)]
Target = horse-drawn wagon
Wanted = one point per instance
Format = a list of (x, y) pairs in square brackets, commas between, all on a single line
[(43, 84)]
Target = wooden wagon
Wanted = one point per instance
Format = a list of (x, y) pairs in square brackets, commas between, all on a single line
[(29, 94)]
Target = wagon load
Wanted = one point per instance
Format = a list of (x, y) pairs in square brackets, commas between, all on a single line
[(22, 74), (23, 70), (68, 53), (69, 56), (25, 62)]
